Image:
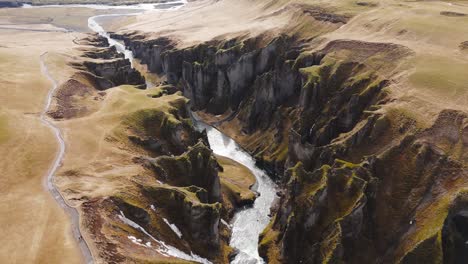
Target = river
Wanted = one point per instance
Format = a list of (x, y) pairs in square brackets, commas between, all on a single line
[(247, 224)]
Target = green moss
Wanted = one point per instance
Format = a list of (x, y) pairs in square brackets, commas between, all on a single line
[(236, 48), (138, 120), (428, 251), (128, 198), (267, 245), (159, 91), (319, 73), (345, 164), (330, 244), (312, 75), (281, 153)]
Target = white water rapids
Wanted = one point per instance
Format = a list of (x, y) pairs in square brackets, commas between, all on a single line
[(247, 223), (250, 222)]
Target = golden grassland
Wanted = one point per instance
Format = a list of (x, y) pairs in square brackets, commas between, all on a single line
[(34, 228)]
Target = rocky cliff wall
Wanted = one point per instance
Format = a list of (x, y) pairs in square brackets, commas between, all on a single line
[(357, 172)]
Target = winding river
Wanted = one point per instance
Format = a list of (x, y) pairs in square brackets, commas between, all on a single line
[(247, 224)]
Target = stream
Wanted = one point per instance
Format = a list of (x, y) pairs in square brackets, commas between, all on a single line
[(247, 224)]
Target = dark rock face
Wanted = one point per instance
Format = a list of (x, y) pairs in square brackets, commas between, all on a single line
[(176, 195), (198, 218), (359, 182), (163, 133), (455, 235), (150, 52), (109, 67), (117, 71), (103, 53), (94, 40), (196, 167)]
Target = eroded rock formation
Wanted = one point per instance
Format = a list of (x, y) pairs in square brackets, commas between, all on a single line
[(360, 177), (162, 188)]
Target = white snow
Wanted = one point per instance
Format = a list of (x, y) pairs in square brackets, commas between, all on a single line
[(164, 249), (173, 227), (225, 223), (138, 241)]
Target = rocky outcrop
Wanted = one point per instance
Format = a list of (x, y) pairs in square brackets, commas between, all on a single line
[(93, 40), (196, 167), (190, 209), (162, 132), (109, 67), (463, 45), (102, 53), (116, 71), (149, 51), (174, 199)]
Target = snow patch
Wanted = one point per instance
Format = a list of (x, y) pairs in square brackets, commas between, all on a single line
[(164, 249), (138, 241), (225, 223), (173, 227)]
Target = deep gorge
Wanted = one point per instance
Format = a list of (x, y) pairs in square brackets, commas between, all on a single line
[(354, 178), (234, 131)]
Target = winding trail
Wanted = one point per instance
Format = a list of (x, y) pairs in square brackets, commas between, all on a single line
[(49, 180)]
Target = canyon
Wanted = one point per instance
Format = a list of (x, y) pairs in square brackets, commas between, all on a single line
[(292, 131)]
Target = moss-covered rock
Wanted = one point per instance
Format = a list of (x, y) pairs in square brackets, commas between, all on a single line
[(197, 218), (196, 167)]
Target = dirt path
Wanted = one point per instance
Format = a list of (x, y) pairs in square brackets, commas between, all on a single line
[(49, 180)]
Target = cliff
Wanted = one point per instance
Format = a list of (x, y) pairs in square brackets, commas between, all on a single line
[(153, 190), (359, 172)]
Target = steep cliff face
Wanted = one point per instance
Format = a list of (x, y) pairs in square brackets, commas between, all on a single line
[(153, 190), (360, 175), (197, 167), (266, 86), (175, 197), (108, 66)]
